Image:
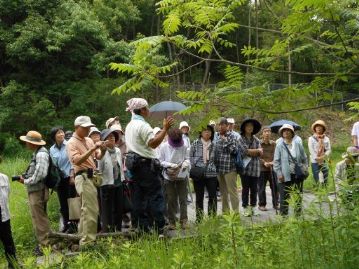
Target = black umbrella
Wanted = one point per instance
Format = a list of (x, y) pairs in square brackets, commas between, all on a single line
[(275, 126), (166, 108)]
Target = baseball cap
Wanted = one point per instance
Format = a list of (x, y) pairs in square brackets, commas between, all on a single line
[(83, 121)]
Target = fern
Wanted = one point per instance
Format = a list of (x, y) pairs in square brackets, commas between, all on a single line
[(171, 24)]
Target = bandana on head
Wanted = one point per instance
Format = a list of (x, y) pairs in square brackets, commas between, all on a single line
[(136, 103)]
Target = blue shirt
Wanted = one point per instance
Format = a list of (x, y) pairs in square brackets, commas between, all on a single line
[(60, 158)]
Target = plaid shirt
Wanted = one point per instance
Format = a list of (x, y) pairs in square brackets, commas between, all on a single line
[(224, 148), (253, 168)]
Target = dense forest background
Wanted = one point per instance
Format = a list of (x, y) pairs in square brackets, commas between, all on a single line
[(263, 58)]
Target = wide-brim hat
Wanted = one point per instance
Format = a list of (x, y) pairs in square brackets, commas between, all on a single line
[(116, 127), (286, 126), (210, 128), (106, 132), (33, 137), (94, 130), (184, 124), (111, 120), (351, 152), (319, 122), (256, 125)]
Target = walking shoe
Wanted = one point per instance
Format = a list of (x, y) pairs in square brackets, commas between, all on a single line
[(254, 211), (262, 208), (161, 236), (247, 212)]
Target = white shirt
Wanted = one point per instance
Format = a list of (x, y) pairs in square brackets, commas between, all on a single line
[(313, 146), (4, 197), (186, 141), (355, 130), (137, 135), (169, 155)]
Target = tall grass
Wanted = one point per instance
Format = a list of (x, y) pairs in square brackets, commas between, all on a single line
[(319, 239)]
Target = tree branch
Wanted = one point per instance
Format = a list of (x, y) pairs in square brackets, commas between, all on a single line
[(265, 69), (183, 70), (294, 110)]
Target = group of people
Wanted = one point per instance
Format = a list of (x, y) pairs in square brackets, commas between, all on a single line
[(156, 164)]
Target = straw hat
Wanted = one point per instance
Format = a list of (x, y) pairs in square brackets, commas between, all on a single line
[(116, 127), (286, 126), (351, 152), (33, 137), (319, 122), (111, 121)]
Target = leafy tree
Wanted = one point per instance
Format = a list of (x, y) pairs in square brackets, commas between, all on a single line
[(318, 51)]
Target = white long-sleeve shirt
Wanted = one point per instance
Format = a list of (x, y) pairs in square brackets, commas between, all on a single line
[(169, 155), (313, 146), (4, 197)]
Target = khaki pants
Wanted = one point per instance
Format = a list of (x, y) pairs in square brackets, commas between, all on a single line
[(228, 187), (40, 221), (89, 209)]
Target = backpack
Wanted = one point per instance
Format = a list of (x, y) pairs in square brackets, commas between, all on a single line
[(238, 161), (53, 176)]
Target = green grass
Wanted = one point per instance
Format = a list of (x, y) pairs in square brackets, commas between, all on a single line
[(315, 242)]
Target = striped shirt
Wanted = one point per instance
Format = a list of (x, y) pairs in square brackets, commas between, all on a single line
[(78, 146)]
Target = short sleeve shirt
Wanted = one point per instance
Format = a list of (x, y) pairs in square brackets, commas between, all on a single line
[(76, 147), (137, 135)]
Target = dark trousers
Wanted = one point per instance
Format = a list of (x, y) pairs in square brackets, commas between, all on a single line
[(267, 176), (176, 193), (249, 190), (211, 185), (287, 189), (8, 242), (65, 191), (316, 168), (148, 198), (111, 208)]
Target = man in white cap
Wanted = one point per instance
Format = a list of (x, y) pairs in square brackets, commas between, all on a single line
[(184, 127), (231, 124), (82, 151), (144, 166), (38, 193)]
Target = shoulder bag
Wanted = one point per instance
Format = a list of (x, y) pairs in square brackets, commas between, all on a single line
[(301, 171)]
